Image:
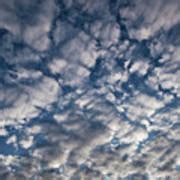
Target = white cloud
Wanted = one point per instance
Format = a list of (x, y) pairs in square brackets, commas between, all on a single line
[(3, 132), (58, 65), (140, 66), (33, 34), (27, 142), (9, 160), (150, 17), (24, 105), (12, 140)]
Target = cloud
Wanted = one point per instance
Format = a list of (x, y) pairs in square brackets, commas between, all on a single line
[(28, 21), (146, 18), (86, 92)]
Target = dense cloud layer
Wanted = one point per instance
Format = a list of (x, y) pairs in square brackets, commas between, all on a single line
[(89, 89)]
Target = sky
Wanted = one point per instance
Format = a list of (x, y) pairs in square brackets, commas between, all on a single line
[(89, 90)]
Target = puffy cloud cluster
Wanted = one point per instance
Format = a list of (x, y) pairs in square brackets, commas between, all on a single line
[(89, 90)]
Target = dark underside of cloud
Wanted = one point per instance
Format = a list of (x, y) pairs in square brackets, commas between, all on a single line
[(89, 89)]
